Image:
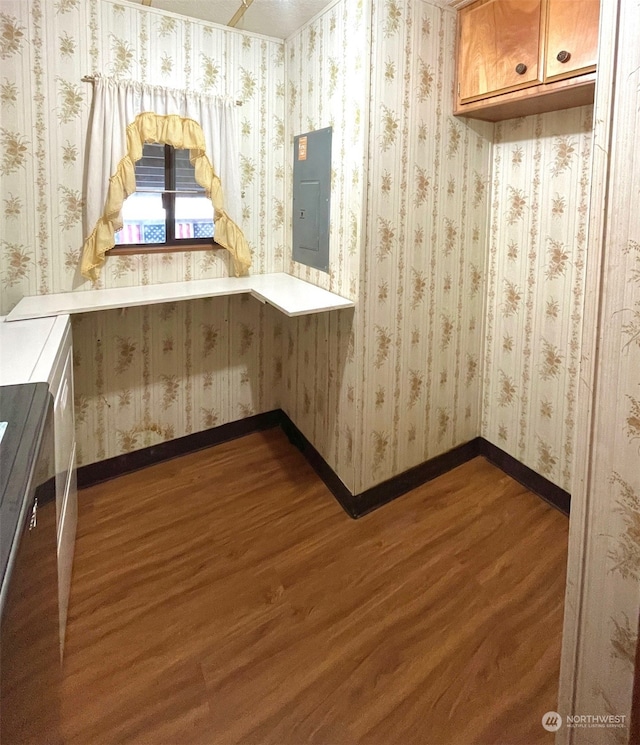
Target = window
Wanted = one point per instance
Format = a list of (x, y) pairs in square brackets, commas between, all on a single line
[(169, 208), (206, 126)]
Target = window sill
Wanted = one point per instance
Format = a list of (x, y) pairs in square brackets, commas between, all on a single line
[(290, 295), (160, 248)]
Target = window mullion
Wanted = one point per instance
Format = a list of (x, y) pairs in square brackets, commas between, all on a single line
[(170, 197), (161, 171)]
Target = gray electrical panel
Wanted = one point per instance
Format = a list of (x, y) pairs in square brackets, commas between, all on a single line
[(311, 198)]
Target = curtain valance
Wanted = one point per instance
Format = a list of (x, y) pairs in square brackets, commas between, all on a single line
[(125, 115)]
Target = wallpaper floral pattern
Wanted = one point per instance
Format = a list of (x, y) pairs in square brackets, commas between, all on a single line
[(536, 266), (603, 582), (161, 371), (432, 217), (421, 306), (150, 360), (409, 237), (327, 82)]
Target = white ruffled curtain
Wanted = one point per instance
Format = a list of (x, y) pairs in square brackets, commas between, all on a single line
[(125, 115)]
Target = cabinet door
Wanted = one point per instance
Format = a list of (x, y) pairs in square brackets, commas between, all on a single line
[(64, 429), (66, 545), (572, 34), (498, 47)]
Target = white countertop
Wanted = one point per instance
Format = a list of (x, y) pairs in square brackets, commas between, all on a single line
[(292, 296), (28, 349)]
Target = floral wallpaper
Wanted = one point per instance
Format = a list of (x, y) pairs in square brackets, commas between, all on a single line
[(150, 360), (603, 580), (327, 81), (537, 249), (421, 306), (408, 366), (327, 68), (153, 373), (480, 308), (408, 233)]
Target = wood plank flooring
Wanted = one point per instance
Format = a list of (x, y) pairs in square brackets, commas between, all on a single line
[(225, 598)]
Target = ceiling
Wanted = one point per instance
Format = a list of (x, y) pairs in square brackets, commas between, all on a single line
[(278, 18)]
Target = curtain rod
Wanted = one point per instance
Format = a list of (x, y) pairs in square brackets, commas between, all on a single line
[(92, 79)]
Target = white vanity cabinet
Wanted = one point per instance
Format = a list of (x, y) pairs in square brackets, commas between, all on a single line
[(40, 351), (61, 388)]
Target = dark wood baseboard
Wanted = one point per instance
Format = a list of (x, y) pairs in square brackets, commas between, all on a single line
[(395, 487), (355, 505), (331, 479), (550, 492), (95, 473)]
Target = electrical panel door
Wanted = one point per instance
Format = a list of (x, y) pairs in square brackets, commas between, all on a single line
[(311, 198)]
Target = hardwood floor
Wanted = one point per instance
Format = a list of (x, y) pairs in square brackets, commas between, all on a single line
[(224, 597)]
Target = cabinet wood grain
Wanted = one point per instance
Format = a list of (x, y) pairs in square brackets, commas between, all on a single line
[(572, 27), (520, 58), (499, 38)]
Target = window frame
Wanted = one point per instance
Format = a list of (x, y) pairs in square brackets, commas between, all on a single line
[(171, 243)]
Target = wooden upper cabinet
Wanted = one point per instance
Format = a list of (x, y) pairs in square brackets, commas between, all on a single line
[(499, 47), (572, 36), (519, 57)]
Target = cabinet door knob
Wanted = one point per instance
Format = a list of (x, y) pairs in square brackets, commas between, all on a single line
[(563, 56), (521, 68)]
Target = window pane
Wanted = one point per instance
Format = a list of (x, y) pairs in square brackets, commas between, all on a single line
[(194, 217), (144, 220), (185, 173), (150, 168)]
